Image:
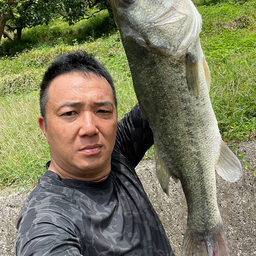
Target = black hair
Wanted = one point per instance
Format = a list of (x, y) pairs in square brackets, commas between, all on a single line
[(79, 61)]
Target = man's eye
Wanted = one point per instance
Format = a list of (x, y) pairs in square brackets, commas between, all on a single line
[(69, 113), (103, 111)]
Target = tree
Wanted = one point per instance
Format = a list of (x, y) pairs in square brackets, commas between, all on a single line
[(6, 13), (37, 13), (12, 10), (29, 13)]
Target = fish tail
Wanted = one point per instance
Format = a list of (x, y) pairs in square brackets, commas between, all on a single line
[(202, 244)]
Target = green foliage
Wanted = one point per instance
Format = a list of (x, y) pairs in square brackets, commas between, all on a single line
[(59, 32), (22, 14), (3, 6), (37, 13), (74, 10)]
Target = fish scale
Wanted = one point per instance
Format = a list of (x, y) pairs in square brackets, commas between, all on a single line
[(171, 80)]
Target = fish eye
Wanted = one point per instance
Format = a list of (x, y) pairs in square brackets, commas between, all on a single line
[(128, 1)]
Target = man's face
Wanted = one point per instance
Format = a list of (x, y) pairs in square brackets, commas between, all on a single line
[(80, 127)]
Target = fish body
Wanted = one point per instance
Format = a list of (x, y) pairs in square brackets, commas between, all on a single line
[(172, 81)]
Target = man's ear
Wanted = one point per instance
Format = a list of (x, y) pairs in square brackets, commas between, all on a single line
[(42, 125)]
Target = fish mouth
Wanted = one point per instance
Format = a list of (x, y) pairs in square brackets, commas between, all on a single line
[(181, 23), (172, 15)]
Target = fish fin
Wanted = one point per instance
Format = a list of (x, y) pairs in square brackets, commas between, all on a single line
[(228, 166), (207, 73), (162, 172), (203, 244), (192, 74)]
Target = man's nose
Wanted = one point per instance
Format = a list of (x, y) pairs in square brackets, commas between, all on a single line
[(88, 124)]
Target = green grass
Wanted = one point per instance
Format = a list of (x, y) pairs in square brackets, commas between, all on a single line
[(228, 40), (229, 43), (23, 149)]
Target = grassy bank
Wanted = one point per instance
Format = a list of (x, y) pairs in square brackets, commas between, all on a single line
[(228, 40)]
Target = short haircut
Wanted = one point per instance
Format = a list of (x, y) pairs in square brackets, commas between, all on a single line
[(78, 61)]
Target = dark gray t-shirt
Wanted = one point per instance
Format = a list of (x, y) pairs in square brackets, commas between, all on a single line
[(113, 217)]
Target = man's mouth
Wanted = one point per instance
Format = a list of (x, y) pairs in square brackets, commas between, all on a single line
[(91, 149)]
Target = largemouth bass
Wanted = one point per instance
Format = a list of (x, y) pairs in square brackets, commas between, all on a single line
[(171, 79)]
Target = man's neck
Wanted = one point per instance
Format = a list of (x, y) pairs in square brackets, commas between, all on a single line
[(99, 177)]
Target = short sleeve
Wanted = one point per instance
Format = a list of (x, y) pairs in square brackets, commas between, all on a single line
[(45, 230)]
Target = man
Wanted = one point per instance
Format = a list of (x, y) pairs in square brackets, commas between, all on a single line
[(90, 200)]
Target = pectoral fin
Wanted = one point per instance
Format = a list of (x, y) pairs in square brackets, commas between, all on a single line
[(228, 166), (192, 74), (207, 73)]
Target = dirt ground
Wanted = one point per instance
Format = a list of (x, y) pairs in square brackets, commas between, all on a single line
[(236, 202)]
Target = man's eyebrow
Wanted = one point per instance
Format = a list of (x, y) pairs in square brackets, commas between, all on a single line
[(69, 104), (75, 104), (104, 103)]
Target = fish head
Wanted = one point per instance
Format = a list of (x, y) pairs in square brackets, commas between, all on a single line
[(167, 26)]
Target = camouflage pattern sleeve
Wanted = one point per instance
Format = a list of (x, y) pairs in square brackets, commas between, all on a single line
[(44, 228), (134, 135)]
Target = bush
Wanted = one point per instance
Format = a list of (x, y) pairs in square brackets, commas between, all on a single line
[(214, 2)]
